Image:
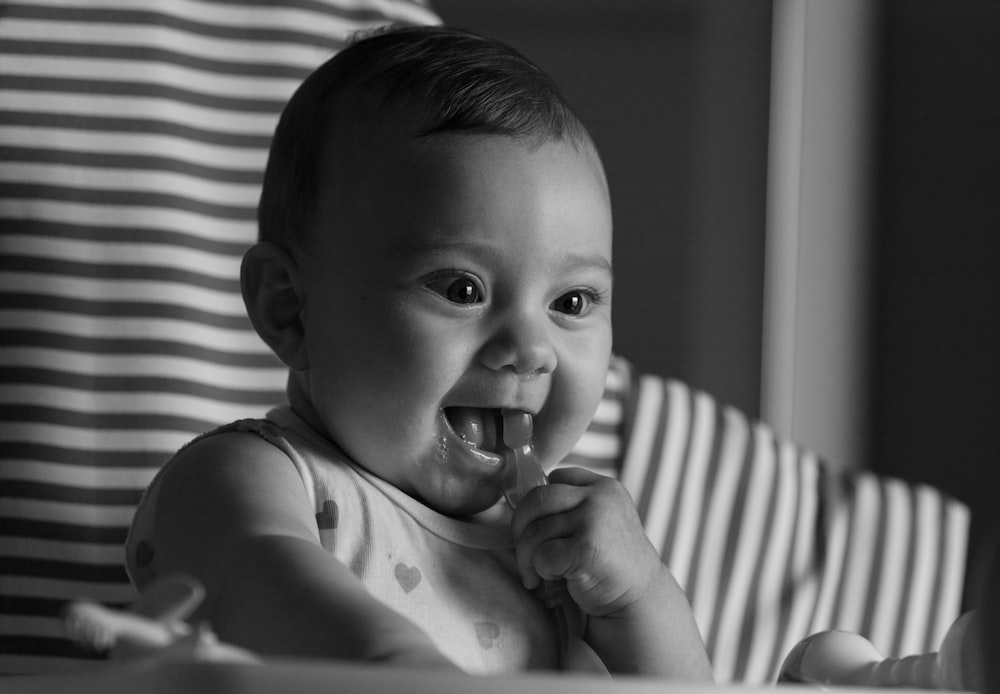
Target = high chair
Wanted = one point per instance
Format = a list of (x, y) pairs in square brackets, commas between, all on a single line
[(133, 136)]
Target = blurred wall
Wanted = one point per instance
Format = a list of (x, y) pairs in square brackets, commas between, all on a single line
[(935, 392), (820, 174)]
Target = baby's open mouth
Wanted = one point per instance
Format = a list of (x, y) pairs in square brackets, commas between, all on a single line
[(477, 426)]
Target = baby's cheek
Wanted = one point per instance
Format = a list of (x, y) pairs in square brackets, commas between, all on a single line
[(563, 422)]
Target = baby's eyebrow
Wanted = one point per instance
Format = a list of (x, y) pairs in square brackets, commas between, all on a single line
[(574, 261), (436, 247)]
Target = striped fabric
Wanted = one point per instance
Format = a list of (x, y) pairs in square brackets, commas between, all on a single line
[(133, 136), (769, 543)]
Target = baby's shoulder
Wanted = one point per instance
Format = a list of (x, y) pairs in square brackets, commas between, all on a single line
[(232, 482), (237, 437), (226, 461), (231, 443)]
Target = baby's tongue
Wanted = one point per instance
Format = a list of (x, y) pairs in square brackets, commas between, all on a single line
[(474, 424)]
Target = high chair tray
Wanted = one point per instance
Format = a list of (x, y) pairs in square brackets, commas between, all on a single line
[(308, 677)]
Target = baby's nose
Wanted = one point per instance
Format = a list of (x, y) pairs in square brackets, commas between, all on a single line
[(522, 347)]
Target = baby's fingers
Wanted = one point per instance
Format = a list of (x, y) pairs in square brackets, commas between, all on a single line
[(533, 528), (555, 559), (549, 500), (577, 476)]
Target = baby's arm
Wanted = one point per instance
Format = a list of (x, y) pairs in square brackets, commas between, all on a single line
[(584, 528), (235, 514)]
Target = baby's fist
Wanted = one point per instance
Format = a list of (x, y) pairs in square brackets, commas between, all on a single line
[(584, 528)]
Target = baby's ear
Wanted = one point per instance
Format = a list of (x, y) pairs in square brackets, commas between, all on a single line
[(274, 299)]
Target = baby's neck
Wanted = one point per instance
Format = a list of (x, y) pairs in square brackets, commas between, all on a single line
[(497, 515)]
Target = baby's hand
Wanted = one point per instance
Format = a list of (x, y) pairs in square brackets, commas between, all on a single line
[(584, 528)]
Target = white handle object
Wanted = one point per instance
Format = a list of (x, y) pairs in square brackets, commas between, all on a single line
[(846, 658), (153, 627)]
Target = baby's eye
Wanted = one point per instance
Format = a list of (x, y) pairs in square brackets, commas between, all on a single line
[(572, 303), (458, 290)]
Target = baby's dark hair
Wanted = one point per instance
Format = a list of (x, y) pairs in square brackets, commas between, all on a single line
[(452, 81)]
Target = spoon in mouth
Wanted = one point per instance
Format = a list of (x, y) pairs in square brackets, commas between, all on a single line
[(524, 472)]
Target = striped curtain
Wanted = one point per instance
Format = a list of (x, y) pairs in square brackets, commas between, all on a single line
[(770, 544), (133, 136)]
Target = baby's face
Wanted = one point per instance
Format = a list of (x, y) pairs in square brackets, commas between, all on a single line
[(459, 275)]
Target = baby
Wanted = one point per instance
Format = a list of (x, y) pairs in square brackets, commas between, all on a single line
[(434, 267)]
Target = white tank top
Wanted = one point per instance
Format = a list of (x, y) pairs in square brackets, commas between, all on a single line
[(454, 579)]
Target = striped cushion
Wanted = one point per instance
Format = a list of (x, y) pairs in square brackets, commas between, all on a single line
[(133, 135), (769, 542)]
